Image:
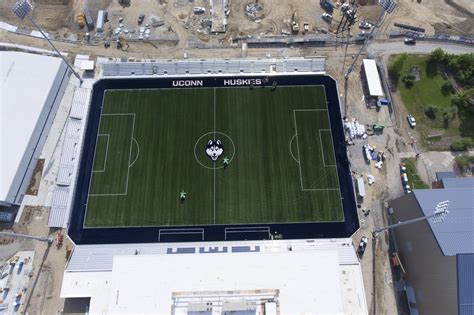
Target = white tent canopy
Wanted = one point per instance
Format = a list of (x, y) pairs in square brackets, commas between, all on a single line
[(373, 78)]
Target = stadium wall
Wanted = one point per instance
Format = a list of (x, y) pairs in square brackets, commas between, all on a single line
[(81, 235)]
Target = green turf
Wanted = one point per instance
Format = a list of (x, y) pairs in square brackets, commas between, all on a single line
[(151, 145)]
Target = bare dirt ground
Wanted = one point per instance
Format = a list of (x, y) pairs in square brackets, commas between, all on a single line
[(36, 178), (451, 17), (58, 18), (45, 284)]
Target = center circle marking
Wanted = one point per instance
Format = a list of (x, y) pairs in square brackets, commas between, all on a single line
[(212, 133)]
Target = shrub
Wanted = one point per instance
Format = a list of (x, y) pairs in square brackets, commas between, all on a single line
[(408, 80), (430, 111), (461, 144), (464, 161)]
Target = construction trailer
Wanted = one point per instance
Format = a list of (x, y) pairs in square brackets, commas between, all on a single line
[(89, 20), (100, 21)]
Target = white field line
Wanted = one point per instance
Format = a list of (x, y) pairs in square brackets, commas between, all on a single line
[(291, 152), (299, 158), (322, 148), (334, 152), (138, 152), (129, 156), (214, 171), (95, 150), (106, 152)]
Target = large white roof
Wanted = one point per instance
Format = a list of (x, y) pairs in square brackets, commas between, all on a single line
[(302, 278), (373, 78), (25, 82)]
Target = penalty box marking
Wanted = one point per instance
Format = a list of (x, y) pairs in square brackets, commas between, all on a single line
[(322, 148), (298, 149), (106, 152), (129, 155)]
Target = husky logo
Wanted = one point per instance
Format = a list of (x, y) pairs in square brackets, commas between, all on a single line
[(214, 149)]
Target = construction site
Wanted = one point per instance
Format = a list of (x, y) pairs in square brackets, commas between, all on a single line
[(350, 41)]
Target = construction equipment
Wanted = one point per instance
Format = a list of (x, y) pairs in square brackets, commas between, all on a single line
[(295, 27), (124, 3), (81, 20), (59, 240), (306, 27), (122, 44)]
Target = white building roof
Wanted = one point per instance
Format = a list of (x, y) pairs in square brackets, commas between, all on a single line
[(303, 277), (25, 83), (373, 78)]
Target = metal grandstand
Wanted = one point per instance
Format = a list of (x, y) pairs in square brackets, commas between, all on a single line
[(100, 257), (213, 67), (60, 207)]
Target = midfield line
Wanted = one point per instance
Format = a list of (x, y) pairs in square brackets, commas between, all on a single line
[(214, 165)]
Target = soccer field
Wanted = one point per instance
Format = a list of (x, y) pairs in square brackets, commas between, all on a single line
[(153, 144)]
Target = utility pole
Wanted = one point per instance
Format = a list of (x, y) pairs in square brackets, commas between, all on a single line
[(438, 216), (22, 9)]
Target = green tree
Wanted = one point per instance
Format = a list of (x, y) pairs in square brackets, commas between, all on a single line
[(461, 144), (447, 87), (431, 111), (437, 56), (448, 114), (462, 102), (395, 68)]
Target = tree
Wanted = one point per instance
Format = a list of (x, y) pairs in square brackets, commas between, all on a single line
[(395, 68), (461, 100), (437, 56), (464, 161), (447, 87), (462, 144), (430, 111), (448, 114)]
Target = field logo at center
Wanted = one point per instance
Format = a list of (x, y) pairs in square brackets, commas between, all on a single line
[(214, 149), (210, 146)]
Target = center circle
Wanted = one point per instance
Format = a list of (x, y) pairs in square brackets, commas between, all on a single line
[(199, 148)]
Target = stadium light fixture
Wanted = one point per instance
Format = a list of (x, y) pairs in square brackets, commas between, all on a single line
[(437, 217), (22, 9)]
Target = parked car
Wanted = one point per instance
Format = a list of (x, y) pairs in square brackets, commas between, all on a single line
[(327, 17), (362, 246), (141, 17), (410, 41), (365, 25), (411, 120)]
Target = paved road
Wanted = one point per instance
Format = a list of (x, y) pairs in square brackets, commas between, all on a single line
[(381, 48)]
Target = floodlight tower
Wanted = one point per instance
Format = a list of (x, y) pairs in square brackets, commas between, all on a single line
[(387, 7), (22, 8), (438, 216)]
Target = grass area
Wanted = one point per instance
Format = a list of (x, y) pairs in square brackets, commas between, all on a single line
[(426, 92), (414, 180), (151, 145)]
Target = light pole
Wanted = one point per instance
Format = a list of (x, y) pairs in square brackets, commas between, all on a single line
[(438, 216), (387, 6), (22, 8)]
